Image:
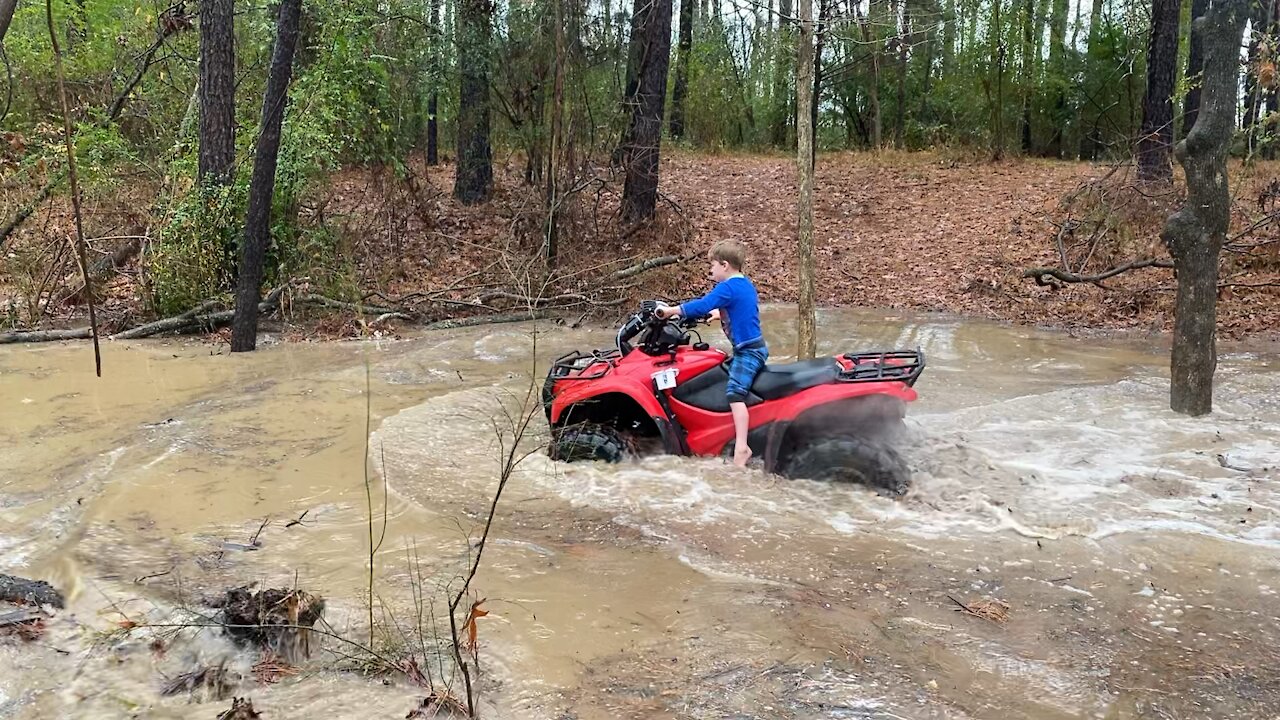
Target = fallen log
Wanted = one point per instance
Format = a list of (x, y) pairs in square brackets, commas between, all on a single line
[(647, 265), (193, 319), (1042, 274), (178, 322), (29, 336), (22, 591), (487, 320), (350, 307)]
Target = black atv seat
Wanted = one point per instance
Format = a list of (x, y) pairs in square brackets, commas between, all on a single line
[(778, 381), (707, 391)]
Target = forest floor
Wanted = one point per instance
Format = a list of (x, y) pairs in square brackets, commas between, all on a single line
[(932, 232), (919, 231)]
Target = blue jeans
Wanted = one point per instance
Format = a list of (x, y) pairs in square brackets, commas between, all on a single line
[(746, 364)]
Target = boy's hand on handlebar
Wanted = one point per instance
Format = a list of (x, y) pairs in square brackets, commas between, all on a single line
[(667, 312)]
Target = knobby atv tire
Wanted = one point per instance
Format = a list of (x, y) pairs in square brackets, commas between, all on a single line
[(850, 459), (588, 442)]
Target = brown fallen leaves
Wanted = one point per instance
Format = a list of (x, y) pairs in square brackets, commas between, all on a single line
[(908, 231)]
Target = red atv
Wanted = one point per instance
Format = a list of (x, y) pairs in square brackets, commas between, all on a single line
[(830, 418)]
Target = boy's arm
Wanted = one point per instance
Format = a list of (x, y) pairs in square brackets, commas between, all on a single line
[(718, 298)]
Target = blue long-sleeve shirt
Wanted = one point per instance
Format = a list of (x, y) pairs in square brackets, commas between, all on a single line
[(739, 307)]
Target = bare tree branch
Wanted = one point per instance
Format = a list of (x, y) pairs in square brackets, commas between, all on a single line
[(1042, 275)]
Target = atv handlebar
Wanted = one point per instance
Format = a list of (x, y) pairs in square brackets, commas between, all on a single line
[(647, 318)]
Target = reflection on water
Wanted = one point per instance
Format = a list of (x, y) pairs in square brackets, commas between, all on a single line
[(1135, 548)]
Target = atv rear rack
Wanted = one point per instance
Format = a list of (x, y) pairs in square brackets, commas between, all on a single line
[(893, 365)]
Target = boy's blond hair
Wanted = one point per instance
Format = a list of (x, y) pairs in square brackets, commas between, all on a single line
[(730, 252)]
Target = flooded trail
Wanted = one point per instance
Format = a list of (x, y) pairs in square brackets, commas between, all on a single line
[(1134, 550)]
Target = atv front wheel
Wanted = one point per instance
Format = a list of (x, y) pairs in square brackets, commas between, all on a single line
[(588, 442), (848, 458)]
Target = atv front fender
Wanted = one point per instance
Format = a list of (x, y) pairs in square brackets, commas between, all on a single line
[(575, 394)]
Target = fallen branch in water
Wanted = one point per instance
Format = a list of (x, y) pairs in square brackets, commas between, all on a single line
[(241, 709), (35, 336), (176, 322), (555, 300), (22, 591), (488, 320), (20, 617), (993, 610), (195, 318)]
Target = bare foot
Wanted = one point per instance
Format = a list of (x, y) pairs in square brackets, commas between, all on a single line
[(741, 455)]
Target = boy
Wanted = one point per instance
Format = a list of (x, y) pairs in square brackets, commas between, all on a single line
[(734, 296)]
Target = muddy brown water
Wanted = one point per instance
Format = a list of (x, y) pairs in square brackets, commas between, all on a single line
[(1136, 550)]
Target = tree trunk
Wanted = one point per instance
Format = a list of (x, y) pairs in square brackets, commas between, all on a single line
[(969, 26), (1155, 141), (555, 149), (1195, 234), (1261, 19), (816, 98), (473, 181), (1028, 72), (904, 32), (930, 50), (1251, 90), (7, 7), (607, 10), (636, 49), (433, 100), (784, 57), (640, 189), (1090, 140), (997, 61), (257, 225), (806, 331), (682, 69), (1058, 75), (871, 41), (1195, 64), (217, 91), (948, 37)]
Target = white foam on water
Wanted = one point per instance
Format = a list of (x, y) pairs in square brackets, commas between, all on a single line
[(1077, 454), (502, 345), (1095, 461), (14, 552)]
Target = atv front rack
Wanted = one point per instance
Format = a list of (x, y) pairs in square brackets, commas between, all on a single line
[(893, 365), (565, 365)]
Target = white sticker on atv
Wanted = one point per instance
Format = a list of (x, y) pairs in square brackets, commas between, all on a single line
[(666, 379)]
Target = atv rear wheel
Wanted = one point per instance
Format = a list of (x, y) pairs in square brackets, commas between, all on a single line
[(588, 442), (847, 458)]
